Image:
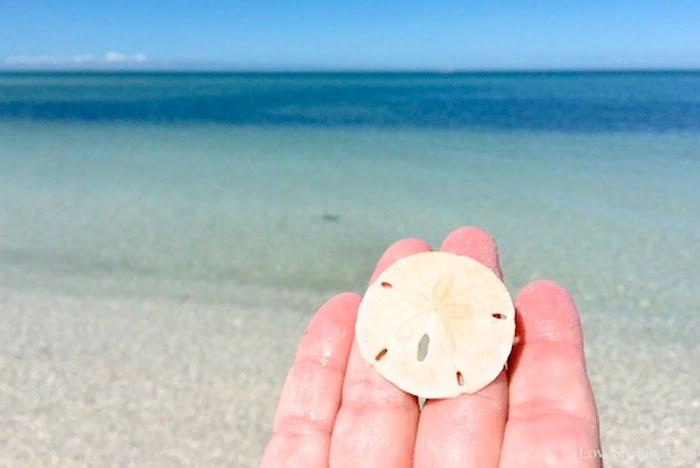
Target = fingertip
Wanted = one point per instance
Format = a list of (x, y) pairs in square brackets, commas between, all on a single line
[(343, 299), (474, 242), (546, 311), (342, 308), (544, 290), (397, 250)]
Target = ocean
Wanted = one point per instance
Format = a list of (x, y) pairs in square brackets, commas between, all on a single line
[(165, 237)]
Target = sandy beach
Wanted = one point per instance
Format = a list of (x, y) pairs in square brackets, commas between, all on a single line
[(119, 382), (159, 382)]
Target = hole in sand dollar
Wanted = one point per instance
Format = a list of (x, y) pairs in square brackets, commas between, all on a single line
[(423, 345), (498, 316), (386, 285), (460, 378), (380, 354)]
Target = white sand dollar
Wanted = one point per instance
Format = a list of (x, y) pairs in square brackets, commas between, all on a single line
[(453, 304)]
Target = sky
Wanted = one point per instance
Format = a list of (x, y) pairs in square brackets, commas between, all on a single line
[(350, 35)]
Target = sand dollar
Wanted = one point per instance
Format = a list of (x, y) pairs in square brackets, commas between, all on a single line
[(437, 325)]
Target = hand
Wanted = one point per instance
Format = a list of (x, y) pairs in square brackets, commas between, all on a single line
[(336, 410)]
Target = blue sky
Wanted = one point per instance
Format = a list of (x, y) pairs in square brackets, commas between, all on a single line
[(306, 34)]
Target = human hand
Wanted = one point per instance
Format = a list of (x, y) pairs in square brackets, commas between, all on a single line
[(336, 410)]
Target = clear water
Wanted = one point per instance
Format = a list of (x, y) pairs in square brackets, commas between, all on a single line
[(582, 177), (209, 186)]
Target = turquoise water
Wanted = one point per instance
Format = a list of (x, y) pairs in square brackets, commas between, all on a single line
[(259, 190), (301, 180), (198, 177)]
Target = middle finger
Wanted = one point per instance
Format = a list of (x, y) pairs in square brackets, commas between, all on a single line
[(468, 430)]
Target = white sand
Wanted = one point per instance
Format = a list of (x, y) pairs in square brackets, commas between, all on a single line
[(158, 382), (135, 382)]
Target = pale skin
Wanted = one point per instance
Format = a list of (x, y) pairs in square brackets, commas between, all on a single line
[(336, 411)]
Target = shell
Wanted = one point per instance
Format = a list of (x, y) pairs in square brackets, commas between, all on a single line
[(462, 307)]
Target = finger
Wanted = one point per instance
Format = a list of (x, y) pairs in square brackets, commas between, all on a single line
[(552, 415), (376, 424), (311, 394), (468, 430), (396, 251), (475, 243)]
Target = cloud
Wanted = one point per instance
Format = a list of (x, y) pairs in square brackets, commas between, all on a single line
[(118, 57), (108, 58)]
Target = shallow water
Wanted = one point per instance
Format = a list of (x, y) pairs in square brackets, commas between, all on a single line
[(263, 194)]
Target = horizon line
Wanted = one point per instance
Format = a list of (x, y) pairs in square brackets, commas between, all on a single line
[(314, 70)]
